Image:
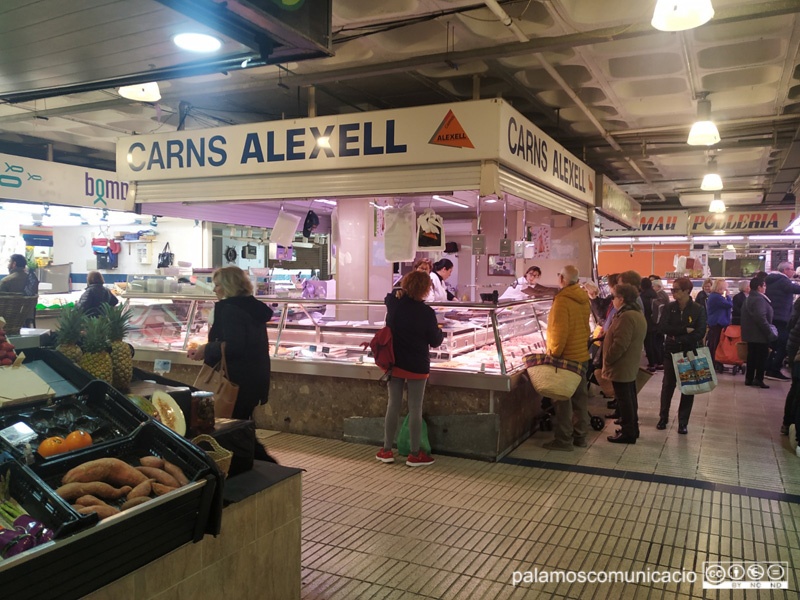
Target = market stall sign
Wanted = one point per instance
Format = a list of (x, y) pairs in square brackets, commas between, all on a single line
[(45, 182), (751, 221), (616, 204), (652, 222), (464, 132)]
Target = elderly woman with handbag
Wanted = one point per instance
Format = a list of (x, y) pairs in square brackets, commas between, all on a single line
[(622, 353), (239, 329)]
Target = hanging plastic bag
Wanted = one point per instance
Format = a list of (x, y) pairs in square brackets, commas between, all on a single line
[(284, 229), (430, 232), (399, 238), (404, 441)]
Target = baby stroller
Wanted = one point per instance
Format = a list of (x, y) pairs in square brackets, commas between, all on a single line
[(726, 353)]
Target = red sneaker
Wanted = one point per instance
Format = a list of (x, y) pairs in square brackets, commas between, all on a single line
[(419, 461), (386, 456)]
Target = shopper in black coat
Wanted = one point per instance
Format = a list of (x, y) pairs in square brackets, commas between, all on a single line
[(654, 336), (684, 324), (738, 302), (756, 331), (95, 295), (240, 321), (414, 330), (791, 408)]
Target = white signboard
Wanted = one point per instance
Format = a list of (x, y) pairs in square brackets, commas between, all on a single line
[(660, 223), (447, 133), (45, 182)]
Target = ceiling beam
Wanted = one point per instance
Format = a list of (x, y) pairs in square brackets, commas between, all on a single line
[(72, 109)]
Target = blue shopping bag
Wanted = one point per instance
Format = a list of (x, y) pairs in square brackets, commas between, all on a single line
[(694, 371)]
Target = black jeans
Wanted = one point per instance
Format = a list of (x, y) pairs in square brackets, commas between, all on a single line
[(652, 341), (778, 346), (628, 405), (712, 340), (668, 389), (756, 362), (792, 407)]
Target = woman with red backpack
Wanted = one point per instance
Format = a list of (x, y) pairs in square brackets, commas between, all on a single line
[(414, 330)]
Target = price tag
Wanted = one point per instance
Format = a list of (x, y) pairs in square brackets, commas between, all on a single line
[(312, 348), (325, 349), (162, 366)]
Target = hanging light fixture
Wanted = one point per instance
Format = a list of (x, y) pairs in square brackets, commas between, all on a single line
[(143, 92), (717, 205), (679, 15), (704, 132), (711, 180)]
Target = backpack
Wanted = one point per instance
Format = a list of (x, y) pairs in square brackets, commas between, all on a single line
[(31, 284), (382, 349), (656, 310)]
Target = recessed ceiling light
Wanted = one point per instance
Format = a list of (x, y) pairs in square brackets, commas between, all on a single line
[(197, 42)]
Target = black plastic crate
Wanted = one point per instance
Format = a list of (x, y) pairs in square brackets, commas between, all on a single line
[(41, 503), (121, 544), (99, 409), (60, 364)]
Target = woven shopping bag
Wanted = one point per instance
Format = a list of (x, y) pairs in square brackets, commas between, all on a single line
[(552, 377), (215, 379)]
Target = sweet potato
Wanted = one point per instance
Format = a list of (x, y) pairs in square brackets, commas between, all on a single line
[(111, 470), (152, 461), (102, 511), (134, 502), (89, 500), (176, 472), (160, 476), (72, 491), (141, 490), (160, 490)]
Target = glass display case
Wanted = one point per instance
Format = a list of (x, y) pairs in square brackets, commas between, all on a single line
[(478, 338)]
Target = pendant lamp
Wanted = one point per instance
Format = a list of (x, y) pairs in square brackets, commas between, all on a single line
[(717, 205), (679, 15), (143, 92), (704, 132), (711, 181)]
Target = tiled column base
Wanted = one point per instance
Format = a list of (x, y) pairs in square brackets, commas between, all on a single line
[(257, 556)]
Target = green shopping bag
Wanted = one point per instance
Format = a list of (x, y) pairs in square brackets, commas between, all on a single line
[(404, 441)]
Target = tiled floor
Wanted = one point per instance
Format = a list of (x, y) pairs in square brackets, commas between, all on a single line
[(461, 528), (734, 438)]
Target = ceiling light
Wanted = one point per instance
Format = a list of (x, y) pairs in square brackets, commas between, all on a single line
[(679, 15), (197, 42), (329, 202), (491, 200), (704, 132), (718, 238), (717, 205), (617, 240), (143, 92), (665, 238), (711, 181), (773, 238), (453, 202)]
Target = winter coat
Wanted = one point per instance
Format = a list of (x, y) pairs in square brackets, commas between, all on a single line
[(756, 319), (781, 291), (414, 329), (241, 323), (622, 348), (701, 298), (738, 304), (94, 297), (793, 343), (718, 309), (14, 282), (599, 307), (675, 322), (568, 324)]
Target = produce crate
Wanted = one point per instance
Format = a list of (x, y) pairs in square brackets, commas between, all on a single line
[(95, 557), (41, 503), (99, 409), (67, 369)]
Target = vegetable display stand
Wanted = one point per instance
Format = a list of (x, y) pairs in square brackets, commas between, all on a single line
[(94, 557)]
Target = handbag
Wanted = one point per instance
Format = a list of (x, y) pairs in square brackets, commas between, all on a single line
[(694, 371), (215, 379), (553, 377), (165, 257)]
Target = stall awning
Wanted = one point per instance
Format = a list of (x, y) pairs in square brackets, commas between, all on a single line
[(512, 183)]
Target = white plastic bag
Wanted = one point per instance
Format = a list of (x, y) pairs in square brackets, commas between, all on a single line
[(430, 232), (400, 236), (284, 229)]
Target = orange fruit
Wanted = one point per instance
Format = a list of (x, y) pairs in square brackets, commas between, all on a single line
[(77, 439), (52, 446)]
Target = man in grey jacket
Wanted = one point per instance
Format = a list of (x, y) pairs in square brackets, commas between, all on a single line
[(14, 282), (756, 320)]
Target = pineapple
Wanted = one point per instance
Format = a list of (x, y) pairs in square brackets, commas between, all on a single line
[(118, 325), (96, 360), (69, 333)]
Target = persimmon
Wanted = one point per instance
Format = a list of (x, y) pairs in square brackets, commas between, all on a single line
[(52, 446), (77, 439)]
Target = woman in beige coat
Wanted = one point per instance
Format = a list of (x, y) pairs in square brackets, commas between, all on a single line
[(622, 354)]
